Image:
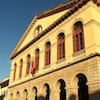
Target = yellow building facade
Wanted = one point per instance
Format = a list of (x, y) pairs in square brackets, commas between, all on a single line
[(64, 45)]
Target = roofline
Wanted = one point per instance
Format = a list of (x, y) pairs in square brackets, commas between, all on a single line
[(58, 8), (5, 79), (24, 35), (46, 13), (75, 8)]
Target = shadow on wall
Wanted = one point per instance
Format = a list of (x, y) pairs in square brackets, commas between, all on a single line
[(93, 96), (41, 98), (72, 97)]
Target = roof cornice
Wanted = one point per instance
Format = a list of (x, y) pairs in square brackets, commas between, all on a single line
[(59, 8), (75, 8), (24, 35), (63, 67)]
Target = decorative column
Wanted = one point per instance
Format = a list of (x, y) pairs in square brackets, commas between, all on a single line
[(55, 94), (94, 90), (32, 95), (41, 63), (8, 96), (17, 71), (24, 68), (53, 54), (69, 47), (41, 95), (20, 97), (94, 79), (11, 73), (23, 97), (72, 93)]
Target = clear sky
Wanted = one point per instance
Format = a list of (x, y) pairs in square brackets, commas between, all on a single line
[(15, 16)]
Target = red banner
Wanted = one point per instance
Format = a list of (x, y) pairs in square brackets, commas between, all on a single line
[(32, 68)]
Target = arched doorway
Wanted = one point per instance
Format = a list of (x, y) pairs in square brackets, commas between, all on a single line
[(26, 94), (62, 89), (11, 96), (35, 93), (18, 95), (47, 96), (82, 87)]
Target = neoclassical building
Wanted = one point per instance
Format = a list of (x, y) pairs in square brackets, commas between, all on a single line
[(64, 45)]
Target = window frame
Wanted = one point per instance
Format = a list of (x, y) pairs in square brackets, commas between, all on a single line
[(47, 53), (14, 73), (61, 46), (37, 58), (21, 67), (78, 37), (38, 30), (28, 63)]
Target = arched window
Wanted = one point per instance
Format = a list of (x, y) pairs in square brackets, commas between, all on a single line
[(62, 89), (28, 64), (20, 69), (38, 30), (47, 53), (17, 95), (35, 93), (14, 72), (78, 37), (26, 94), (37, 53), (82, 87), (61, 46), (11, 96), (47, 96)]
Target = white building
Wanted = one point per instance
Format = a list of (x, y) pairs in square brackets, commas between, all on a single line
[(4, 88)]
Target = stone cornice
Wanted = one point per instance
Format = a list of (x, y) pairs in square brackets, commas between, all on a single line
[(52, 26), (56, 9), (24, 35), (68, 65), (59, 8)]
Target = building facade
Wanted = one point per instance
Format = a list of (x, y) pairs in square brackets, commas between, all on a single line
[(4, 88), (62, 45)]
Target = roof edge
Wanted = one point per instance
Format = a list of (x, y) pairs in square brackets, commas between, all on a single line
[(58, 8), (79, 4)]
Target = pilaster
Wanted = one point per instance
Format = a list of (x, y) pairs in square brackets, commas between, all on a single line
[(55, 94), (94, 79), (41, 95), (72, 92)]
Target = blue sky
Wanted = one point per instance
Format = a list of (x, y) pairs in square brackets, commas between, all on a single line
[(15, 16)]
